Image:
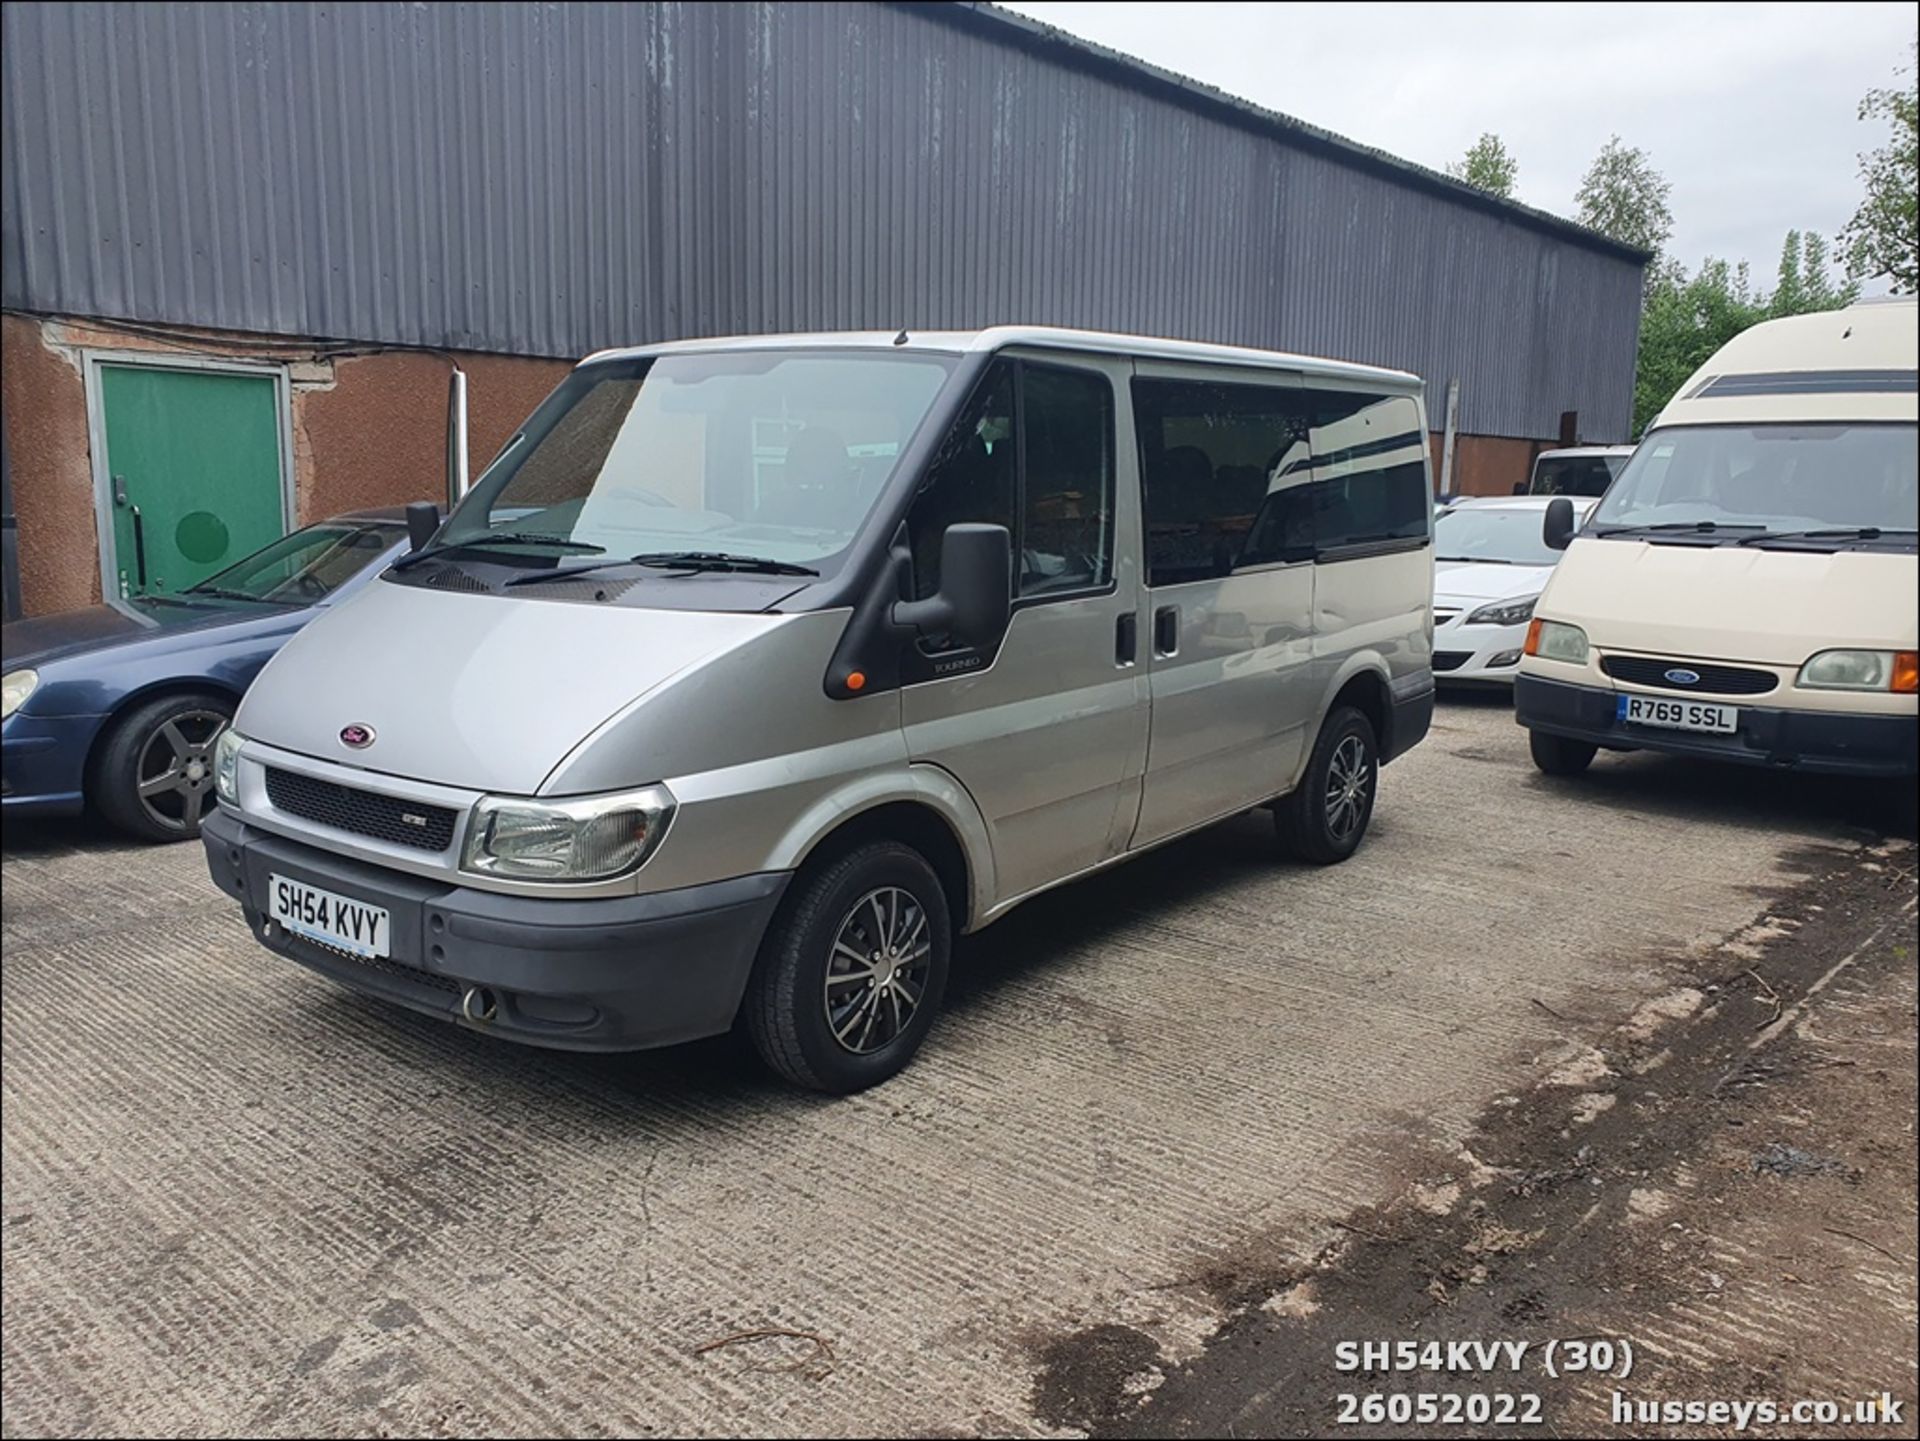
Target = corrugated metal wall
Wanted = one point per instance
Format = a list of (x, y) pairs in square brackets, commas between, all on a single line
[(552, 178)]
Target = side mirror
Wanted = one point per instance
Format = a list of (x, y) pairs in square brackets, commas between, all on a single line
[(423, 519), (1557, 528), (976, 587), (1519, 487)]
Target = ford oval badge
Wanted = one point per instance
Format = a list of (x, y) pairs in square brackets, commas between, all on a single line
[(356, 735), (1679, 675)]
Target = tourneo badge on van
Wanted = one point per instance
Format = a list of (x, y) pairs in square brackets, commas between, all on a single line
[(356, 735)]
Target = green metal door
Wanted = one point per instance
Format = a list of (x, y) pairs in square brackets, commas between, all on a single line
[(193, 468)]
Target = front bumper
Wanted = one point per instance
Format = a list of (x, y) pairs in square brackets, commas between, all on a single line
[(1822, 742), (618, 974), (43, 762), (1483, 654)]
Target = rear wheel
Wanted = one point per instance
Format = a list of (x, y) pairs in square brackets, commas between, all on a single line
[(154, 775), (1559, 756), (852, 970), (1325, 817)]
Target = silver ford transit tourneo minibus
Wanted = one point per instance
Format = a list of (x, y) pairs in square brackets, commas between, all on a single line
[(753, 671)]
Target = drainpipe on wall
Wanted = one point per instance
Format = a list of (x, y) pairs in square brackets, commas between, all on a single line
[(456, 435), (1446, 445)]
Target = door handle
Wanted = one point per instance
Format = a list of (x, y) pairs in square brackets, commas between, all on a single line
[(119, 490), (1166, 630), (1126, 639), (139, 548)]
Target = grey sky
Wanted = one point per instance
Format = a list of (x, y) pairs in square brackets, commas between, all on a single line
[(1749, 110)]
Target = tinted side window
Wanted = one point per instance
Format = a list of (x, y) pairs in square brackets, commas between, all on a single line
[(971, 479), (1066, 481), (1225, 471), (1033, 451), (1370, 472)]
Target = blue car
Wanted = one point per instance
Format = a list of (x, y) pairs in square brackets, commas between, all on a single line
[(116, 707)]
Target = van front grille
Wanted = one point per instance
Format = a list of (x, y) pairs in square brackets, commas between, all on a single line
[(365, 813), (1713, 679)]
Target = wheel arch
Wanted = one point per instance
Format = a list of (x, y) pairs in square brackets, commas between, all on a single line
[(926, 809), (133, 700), (1363, 684)]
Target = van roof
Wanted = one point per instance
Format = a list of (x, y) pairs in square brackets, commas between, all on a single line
[(1859, 363), (1001, 337)]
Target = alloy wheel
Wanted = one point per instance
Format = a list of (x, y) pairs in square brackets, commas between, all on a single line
[(1349, 776), (877, 972), (175, 773)]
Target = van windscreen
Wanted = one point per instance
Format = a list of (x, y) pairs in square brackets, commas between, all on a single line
[(1836, 481), (1573, 474), (775, 455)]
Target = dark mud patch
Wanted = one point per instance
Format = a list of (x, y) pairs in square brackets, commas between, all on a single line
[(1627, 1199)]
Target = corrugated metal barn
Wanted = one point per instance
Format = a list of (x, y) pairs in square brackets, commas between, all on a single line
[(341, 192)]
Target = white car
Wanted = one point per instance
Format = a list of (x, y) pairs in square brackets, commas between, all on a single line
[(1490, 565)]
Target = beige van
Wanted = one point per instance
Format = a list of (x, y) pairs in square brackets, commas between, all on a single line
[(1746, 590)]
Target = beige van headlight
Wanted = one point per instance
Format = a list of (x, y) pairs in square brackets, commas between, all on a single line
[(1858, 670), (588, 839), (1556, 640)]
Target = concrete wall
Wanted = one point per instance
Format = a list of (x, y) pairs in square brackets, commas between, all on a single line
[(368, 430)]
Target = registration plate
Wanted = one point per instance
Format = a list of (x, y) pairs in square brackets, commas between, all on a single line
[(332, 920), (1680, 715)]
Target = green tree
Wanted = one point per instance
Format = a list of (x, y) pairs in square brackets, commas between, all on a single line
[(1488, 165), (1805, 280), (1881, 238), (1625, 198), (1687, 317)]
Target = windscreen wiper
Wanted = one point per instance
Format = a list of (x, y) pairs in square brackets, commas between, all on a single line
[(1704, 527), (1843, 532), (1477, 559), (221, 592), (501, 538), (688, 562), (1675, 532)]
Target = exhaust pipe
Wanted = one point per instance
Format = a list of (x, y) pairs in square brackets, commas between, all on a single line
[(479, 1005)]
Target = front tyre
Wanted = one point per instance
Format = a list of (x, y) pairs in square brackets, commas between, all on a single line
[(154, 774), (1558, 755), (852, 971), (1325, 817)]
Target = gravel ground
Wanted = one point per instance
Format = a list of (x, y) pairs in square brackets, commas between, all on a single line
[(237, 1199)]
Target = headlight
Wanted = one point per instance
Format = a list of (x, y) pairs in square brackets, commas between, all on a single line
[(15, 687), (574, 840), (226, 765), (1504, 612), (1555, 640), (1894, 670)]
